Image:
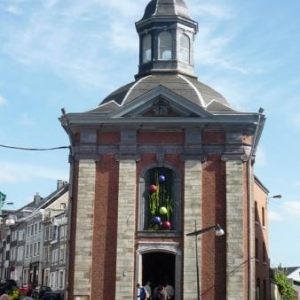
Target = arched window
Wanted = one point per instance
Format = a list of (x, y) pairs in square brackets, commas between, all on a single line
[(184, 48), (165, 45), (146, 48), (160, 202)]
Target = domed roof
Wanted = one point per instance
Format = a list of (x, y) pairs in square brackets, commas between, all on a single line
[(165, 8), (188, 87)]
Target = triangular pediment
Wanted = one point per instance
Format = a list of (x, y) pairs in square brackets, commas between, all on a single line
[(159, 102)]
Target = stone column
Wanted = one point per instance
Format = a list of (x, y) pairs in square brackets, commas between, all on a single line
[(192, 214), (236, 289), (84, 229), (126, 230)]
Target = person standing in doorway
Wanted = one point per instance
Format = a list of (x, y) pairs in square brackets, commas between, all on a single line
[(148, 289), (170, 291), (161, 293), (141, 292)]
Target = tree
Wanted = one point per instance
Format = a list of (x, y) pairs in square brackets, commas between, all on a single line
[(284, 285)]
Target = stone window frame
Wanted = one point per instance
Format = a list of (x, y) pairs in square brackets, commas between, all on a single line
[(177, 207), (165, 247)]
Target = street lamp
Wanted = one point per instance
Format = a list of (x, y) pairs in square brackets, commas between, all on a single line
[(218, 231)]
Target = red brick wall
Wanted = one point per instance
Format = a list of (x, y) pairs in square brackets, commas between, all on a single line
[(105, 228), (213, 271), (160, 137), (261, 233), (213, 256), (108, 138)]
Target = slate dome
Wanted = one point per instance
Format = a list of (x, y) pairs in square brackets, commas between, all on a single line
[(187, 87), (156, 8), (169, 28)]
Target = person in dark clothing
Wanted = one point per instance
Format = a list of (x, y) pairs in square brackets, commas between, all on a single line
[(141, 292)]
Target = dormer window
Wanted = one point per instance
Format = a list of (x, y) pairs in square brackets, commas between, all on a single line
[(146, 45), (165, 45), (184, 48)]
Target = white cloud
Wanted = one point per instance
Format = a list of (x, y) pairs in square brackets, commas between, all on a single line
[(20, 172), (286, 211), (295, 81), (261, 157), (14, 10), (275, 217), (71, 41), (296, 121), (292, 208), (213, 9), (26, 120), (2, 100)]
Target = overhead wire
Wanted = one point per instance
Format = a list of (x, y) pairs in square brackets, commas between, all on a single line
[(34, 149)]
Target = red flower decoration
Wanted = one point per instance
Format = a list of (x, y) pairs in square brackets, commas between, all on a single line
[(152, 188), (166, 225)]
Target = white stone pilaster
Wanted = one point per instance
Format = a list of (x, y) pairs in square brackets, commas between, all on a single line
[(126, 230), (84, 229), (192, 214), (235, 230)]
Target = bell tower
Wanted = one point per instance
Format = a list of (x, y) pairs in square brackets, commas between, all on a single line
[(166, 34)]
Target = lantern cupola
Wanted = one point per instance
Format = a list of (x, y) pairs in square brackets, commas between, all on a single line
[(166, 34)]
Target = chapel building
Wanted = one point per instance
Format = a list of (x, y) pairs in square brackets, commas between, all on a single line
[(161, 157)]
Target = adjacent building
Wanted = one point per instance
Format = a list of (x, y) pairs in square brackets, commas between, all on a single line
[(293, 273), (159, 158), (23, 255), (262, 261)]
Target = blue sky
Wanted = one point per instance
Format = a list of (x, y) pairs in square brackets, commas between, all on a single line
[(62, 53)]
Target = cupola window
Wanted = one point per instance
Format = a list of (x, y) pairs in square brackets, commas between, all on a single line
[(184, 50), (146, 48), (165, 45)]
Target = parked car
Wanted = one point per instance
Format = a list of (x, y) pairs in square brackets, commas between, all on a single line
[(25, 289), (7, 285), (39, 291), (53, 296)]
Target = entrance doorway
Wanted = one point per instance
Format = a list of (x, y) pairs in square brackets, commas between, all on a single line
[(158, 268)]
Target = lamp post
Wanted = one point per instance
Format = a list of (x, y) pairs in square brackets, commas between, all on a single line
[(274, 197), (219, 232)]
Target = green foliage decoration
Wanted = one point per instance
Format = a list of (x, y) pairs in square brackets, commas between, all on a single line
[(284, 285), (160, 199), (14, 294)]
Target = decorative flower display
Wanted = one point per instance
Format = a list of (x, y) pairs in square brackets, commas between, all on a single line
[(161, 178), (160, 203), (166, 225), (156, 220), (163, 210), (152, 188)]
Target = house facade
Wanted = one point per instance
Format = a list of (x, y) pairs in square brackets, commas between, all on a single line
[(262, 260), (159, 158), (22, 251)]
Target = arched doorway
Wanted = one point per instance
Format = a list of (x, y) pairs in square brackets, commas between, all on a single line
[(158, 268), (158, 261)]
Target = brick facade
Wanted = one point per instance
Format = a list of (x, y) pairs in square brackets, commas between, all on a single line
[(165, 121)]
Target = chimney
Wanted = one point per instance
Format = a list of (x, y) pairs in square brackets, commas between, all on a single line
[(61, 183), (37, 199)]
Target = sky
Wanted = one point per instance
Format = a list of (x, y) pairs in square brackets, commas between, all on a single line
[(71, 54)]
